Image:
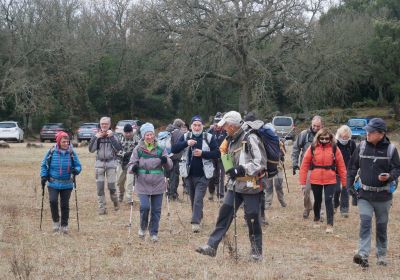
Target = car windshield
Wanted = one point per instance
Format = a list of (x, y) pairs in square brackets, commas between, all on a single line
[(282, 122), (52, 126), (123, 123), (7, 125), (359, 123), (88, 126)]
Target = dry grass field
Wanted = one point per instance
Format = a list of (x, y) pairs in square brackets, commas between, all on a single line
[(293, 249)]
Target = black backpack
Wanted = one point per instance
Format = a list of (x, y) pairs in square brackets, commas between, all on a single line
[(332, 166)]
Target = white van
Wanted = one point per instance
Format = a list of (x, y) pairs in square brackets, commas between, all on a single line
[(284, 126)]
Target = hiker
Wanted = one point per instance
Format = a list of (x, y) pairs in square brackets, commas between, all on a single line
[(217, 181), (176, 133), (324, 160), (128, 140), (148, 162), (196, 166), (58, 166), (249, 161), (300, 146), (377, 162), (347, 147), (107, 146)]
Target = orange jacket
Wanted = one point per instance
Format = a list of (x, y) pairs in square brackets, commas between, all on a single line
[(323, 156)]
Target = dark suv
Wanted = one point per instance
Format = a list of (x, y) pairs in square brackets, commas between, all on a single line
[(49, 131), (86, 131)]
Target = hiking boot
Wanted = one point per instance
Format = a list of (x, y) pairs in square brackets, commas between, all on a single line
[(306, 213), (102, 211), (362, 261), (141, 233), (56, 226), (154, 238), (316, 224), (283, 204), (121, 197), (116, 205), (344, 214), (64, 229), (256, 257), (329, 229), (195, 228), (206, 250), (382, 261), (211, 196)]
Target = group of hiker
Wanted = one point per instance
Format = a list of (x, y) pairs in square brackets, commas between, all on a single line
[(332, 167)]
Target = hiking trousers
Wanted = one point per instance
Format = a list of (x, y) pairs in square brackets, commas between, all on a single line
[(101, 174), (308, 205), (124, 179), (277, 183), (381, 210), (329, 191), (173, 180), (341, 197), (64, 195), (197, 190), (150, 204), (217, 181)]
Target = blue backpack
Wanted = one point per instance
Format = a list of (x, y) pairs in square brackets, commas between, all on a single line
[(271, 144), (164, 140)]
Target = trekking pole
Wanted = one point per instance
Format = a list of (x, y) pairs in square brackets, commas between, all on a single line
[(131, 212), (234, 221), (76, 201), (219, 188), (41, 209), (284, 171), (168, 212)]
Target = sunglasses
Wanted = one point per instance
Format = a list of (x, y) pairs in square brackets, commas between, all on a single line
[(324, 138)]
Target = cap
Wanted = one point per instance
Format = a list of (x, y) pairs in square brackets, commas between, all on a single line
[(231, 117)]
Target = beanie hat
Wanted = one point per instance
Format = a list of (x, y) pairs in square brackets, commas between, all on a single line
[(60, 135), (178, 123), (128, 128), (147, 127), (196, 118)]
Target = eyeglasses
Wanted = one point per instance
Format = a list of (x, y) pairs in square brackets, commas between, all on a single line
[(325, 139)]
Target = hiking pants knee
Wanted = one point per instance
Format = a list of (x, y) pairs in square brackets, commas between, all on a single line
[(197, 190), (367, 210), (174, 179), (111, 175), (329, 191), (307, 194), (277, 183), (217, 181), (341, 197), (150, 204), (226, 215), (64, 204)]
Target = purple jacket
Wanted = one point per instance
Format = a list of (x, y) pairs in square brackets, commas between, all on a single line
[(150, 179)]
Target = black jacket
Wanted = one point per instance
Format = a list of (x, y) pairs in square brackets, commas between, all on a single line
[(370, 169), (347, 150)]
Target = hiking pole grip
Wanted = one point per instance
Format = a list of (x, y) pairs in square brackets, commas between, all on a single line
[(41, 209), (76, 201)]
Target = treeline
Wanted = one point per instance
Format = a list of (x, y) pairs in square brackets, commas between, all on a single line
[(75, 60)]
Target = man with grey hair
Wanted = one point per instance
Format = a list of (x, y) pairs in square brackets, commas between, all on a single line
[(107, 146), (300, 146), (244, 185)]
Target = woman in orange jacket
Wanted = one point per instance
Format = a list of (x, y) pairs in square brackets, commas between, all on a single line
[(324, 160)]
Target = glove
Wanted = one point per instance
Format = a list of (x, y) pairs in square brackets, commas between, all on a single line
[(135, 169), (74, 171), (163, 159), (43, 181), (295, 168), (237, 171)]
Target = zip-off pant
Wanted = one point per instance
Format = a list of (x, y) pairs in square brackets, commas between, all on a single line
[(367, 210), (64, 205), (217, 181), (150, 204), (101, 174), (277, 182), (197, 190), (329, 191), (124, 179), (226, 215)]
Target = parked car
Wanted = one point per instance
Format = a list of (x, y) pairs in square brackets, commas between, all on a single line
[(284, 126), (119, 128), (49, 131), (10, 130), (357, 128), (86, 131)]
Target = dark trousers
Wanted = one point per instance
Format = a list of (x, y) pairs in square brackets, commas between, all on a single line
[(252, 214), (64, 205), (217, 181), (150, 204), (173, 180), (329, 191), (197, 190), (341, 197)]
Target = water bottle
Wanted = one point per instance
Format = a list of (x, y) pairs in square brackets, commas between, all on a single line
[(393, 187), (357, 185)]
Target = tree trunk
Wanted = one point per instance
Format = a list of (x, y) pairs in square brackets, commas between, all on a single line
[(244, 97), (396, 108)]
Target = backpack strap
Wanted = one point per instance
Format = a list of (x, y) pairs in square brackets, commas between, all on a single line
[(332, 166), (207, 137), (145, 154), (50, 157), (388, 157)]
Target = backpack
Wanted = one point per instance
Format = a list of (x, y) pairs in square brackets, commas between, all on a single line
[(271, 144), (332, 166), (164, 140)]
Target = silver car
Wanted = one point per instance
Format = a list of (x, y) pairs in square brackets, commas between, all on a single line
[(284, 126)]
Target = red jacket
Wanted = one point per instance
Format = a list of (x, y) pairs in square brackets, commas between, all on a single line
[(323, 156)]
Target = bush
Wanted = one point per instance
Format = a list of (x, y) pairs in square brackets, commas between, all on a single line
[(365, 103)]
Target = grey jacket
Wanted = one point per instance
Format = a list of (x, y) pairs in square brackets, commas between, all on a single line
[(252, 158), (149, 184), (300, 146), (107, 149)]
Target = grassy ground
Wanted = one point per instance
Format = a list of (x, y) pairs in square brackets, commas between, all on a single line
[(293, 249)]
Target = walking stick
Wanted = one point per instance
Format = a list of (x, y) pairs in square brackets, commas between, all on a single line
[(41, 209), (219, 188), (284, 171), (168, 212), (76, 201), (234, 221), (131, 212)]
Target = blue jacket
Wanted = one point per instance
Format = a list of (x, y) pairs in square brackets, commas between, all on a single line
[(60, 178)]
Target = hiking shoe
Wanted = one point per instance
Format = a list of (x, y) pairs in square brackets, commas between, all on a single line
[(362, 261), (207, 250), (256, 257), (211, 196), (195, 228), (64, 229), (264, 221), (283, 204), (141, 233), (316, 224), (102, 211), (121, 197), (306, 213), (56, 226), (154, 238), (382, 261), (344, 214), (329, 229)]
